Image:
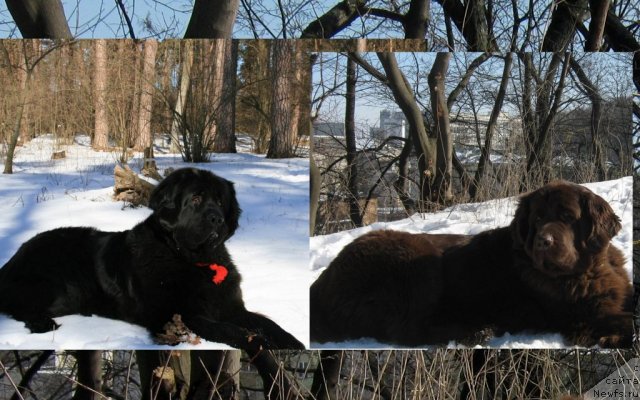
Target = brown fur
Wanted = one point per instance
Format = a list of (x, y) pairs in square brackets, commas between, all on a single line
[(552, 270)]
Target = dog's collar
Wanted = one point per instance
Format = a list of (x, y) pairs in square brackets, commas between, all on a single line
[(219, 272)]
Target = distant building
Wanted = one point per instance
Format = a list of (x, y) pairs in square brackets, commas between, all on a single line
[(328, 129), (464, 125), (392, 123)]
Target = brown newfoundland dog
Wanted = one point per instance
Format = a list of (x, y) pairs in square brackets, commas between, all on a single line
[(552, 270)]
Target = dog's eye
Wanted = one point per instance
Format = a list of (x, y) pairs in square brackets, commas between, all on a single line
[(219, 202), (567, 217), (196, 199)]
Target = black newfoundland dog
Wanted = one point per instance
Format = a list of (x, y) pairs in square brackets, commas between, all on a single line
[(174, 262), (552, 270)]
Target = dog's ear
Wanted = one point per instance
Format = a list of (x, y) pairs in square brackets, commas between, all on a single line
[(603, 224), (162, 202), (233, 211), (520, 224)]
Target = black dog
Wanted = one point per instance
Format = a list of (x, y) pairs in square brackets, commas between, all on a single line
[(174, 262)]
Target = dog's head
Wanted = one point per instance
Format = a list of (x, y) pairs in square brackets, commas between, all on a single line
[(562, 223), (197, 209)]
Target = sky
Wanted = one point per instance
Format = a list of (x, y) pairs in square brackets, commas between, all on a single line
[(613, 77)]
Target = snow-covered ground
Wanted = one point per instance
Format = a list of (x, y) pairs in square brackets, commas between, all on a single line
[(271, 247), (472, 219)]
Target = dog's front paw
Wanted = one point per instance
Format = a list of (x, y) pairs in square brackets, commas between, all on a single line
[(41, 325), (256, 343), (616, 342)]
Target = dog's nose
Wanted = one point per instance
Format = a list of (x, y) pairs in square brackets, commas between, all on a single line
[(544, 240), (216, 219)]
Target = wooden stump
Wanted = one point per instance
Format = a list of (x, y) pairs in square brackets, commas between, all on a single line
[(149, 167), (58, 155), (130, 187)]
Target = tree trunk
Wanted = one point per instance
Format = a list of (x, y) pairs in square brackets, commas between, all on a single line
[(417, 19), (89, 384), (333, 21), (225, 140), (444, 147), (425, 150), (212, 19), (599, 10), (186, 62), (491, 126), (144, 137), (327, 375), (619, 37), (100, 77), (470, 19), (25, 382), (315, 183), (564, 20), (350, 135), (25, 73), (597, 145), (539, 159), (284, 122), (39, 19)]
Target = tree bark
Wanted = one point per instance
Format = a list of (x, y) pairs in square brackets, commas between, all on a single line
[(225, 140), (599, 10), (100, 77), (564, 20), (24, 74), (444, 167), (212, 19), (417, 19), (284, 124), (470, 19), (39, 19), (618, 36), (333, 21), (144, 137), (350, 136), (426, 152), (186, 62), (315, 183), (89, 384)]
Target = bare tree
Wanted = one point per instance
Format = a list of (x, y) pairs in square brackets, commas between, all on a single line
[(444, 148), (350, 135), (89, 385), (225, 140), (40, 18), (284, 121), (425, 146), (144, 137), (22, 63), (101, 127), (212, 19)]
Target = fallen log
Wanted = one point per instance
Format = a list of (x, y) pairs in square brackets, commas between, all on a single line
[(130, 188)]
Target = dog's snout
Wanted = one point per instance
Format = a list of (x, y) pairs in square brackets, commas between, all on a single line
[(216, 219), (544, 240)]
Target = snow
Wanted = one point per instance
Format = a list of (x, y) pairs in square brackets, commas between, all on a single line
[(471, 219), (270, 248)]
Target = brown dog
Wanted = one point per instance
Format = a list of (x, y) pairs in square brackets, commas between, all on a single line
[(552, 270)]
